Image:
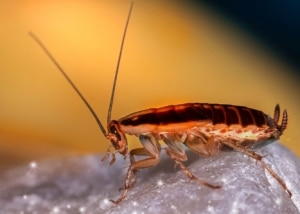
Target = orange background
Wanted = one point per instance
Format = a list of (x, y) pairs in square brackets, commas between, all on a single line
[(173, 53)]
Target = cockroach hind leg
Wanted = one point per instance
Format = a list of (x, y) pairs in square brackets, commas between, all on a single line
[(259, 158), (276, 177)]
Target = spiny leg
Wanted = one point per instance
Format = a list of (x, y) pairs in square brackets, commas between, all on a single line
[(259, 158), (136, 152), (177, 158), (177, 154), (150, 149)]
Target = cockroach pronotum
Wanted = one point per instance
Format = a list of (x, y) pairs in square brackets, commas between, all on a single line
[(206, 129)]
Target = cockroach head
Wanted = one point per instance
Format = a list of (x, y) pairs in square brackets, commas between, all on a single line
[(117, 137)]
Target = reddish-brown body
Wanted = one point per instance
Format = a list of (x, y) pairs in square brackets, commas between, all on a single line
[(251, 126), (189, 115)]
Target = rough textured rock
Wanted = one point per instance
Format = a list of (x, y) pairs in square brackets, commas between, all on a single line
[(85, 185)]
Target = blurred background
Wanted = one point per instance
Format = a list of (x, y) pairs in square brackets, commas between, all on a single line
[(175, 52)]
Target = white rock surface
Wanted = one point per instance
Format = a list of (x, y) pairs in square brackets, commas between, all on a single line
[(85, 185)]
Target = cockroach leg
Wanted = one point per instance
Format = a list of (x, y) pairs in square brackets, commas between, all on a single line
[(145, 163), (201, 146), (259, 158), (152, 150), (137, 152), (132, 153), (280, 181), (213, 145), (178, 158), (177, 154), (197, 145)]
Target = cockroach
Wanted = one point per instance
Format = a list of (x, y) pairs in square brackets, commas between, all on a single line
[(205, 129)]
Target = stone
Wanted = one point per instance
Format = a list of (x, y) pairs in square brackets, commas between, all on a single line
[(85, 184)]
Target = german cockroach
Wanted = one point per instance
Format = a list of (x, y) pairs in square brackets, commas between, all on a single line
[(206, 129)]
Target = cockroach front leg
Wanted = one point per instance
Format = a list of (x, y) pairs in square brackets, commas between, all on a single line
[(152, 150), (137, 152), (259, 158), (132, 153)]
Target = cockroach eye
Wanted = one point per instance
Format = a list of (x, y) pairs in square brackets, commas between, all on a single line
[(114, 131)]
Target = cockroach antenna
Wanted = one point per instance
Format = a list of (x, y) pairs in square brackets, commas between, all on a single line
[(117, 68), (38, 41)]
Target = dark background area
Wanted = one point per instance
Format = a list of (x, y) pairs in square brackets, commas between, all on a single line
[(275, 24)]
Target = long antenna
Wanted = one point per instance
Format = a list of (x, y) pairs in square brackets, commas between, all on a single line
[(34, 37), (117, 69)]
